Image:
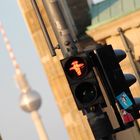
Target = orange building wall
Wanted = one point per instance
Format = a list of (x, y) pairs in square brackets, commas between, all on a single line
[(74, 121)]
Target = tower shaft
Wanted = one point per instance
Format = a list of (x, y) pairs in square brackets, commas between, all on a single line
[(39, 125)]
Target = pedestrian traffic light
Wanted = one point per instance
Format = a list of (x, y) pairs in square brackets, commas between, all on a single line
[(116, 83), (82, 80)]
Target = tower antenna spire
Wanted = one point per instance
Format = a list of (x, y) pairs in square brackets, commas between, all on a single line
[(9, 49)]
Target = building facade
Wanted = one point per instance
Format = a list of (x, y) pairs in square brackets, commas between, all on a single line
[(75, 123), (106, 17), (111, 15)]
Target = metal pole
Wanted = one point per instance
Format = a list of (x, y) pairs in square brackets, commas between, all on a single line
[(129, 53), (43, 27), (61, 30), (68, 18)]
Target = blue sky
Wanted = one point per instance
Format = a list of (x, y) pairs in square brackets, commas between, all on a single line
[(14, 123)]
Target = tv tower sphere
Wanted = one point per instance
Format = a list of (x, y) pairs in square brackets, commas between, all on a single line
[(31, 101)]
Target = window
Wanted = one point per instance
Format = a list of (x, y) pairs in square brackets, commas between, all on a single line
[(90, 2), (97, 1)]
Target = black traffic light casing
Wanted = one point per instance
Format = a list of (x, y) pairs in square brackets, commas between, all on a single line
[(82, 80), (116, 83)]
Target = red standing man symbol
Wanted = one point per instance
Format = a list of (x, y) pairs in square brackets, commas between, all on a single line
[(77, 67)]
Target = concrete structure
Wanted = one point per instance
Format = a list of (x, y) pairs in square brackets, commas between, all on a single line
[(107, 16), (110, 16), (75, 123)]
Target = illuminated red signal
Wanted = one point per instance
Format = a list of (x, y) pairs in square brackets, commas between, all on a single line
[(82, 80), (77, 67)]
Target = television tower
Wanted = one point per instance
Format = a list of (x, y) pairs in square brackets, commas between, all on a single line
[(30, 100)]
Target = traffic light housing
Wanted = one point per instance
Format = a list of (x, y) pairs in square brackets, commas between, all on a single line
[(98, 68), (82, 80), (115, 82)]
